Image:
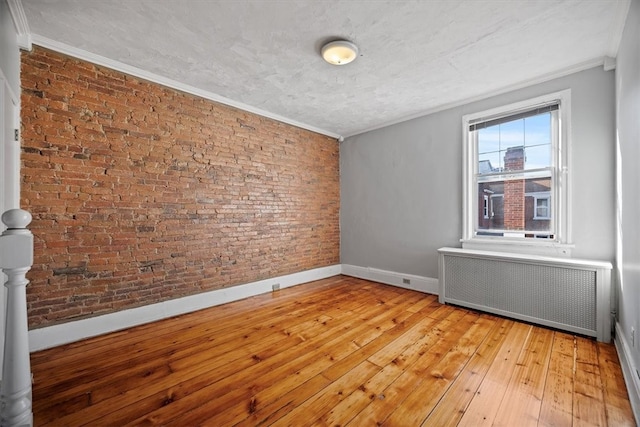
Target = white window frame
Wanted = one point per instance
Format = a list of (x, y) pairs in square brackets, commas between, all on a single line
[(541, 196), (560, 208)]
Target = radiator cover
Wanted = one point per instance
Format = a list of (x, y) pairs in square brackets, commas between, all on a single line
[(568, 294)]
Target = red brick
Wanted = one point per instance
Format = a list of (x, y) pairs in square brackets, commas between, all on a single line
[(119, 172)]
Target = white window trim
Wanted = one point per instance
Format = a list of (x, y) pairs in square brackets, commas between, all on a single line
[(561, 191), (539, 196)]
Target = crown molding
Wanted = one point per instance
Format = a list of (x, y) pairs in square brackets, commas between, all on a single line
[(20, 22), (165, 81), (521, 85)]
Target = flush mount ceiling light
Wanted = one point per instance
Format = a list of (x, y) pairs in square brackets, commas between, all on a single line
[(339, 52)]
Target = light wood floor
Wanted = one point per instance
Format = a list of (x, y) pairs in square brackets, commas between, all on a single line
[(340, 351)]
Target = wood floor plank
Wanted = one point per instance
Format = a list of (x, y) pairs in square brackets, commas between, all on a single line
[(360, 398), (272, 395), (557, 403), (266, 413), (189, 374), (526, 387), (455, 401), (484, 407), (404, 372), (298, 370), (135, 347), (302, 364), (309, 411), (588, 398), (248, 340), (428, 300), (438, 377), (615, 396), (228, 355), (340, 351), (412, 329), (417, 338)]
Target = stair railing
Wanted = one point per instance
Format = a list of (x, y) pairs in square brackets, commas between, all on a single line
[(16, 259)]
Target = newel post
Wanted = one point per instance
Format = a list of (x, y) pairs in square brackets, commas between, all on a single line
[(16, 258)]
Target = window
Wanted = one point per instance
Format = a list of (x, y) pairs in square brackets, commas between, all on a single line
[(485, 207), (516, 173), (541, 209)]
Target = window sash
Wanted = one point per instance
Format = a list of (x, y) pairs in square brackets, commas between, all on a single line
[(513, 175), (551, 172)]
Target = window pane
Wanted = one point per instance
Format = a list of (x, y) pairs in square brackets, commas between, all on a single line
[(512, 134), (489, 162), (538, 157), (517, 205), (521, 144), (489, 139), (542, 208), (538, 141), (542, 211), (537, 129)]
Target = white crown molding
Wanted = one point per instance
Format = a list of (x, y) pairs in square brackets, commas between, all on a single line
[(52, 336), (609, 63), (155, 78), (615, 37), (20, 22), (526, 83)]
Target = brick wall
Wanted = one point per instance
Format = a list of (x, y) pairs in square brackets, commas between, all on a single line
[(141, 193)]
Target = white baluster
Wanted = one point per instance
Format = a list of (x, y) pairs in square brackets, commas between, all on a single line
[(16, 258)]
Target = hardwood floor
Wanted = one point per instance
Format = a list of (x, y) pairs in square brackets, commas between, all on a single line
[(340, 351)]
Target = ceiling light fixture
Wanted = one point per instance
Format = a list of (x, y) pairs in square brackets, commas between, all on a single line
[(339, 52)]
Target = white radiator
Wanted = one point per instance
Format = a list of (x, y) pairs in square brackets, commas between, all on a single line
[(568, 294)]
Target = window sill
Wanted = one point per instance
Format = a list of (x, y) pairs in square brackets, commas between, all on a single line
[(518, 246)]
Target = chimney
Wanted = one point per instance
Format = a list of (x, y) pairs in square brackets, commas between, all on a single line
[(514, 190)]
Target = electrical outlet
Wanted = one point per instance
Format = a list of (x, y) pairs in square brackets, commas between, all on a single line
[(406, 281), (275, 287)]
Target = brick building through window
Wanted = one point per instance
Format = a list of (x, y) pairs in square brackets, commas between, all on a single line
[(514, 205)]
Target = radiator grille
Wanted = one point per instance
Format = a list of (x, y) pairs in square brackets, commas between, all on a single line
[(569, 294), (556, 294)]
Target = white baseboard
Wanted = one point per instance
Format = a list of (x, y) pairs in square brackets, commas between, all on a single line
[(51, 336), (629, 371), (417, 283)]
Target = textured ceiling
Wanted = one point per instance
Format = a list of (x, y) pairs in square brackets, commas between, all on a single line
[(415, 56)]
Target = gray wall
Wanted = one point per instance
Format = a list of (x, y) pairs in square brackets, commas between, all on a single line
[(401, 186), (9, 53), (628, 126)]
